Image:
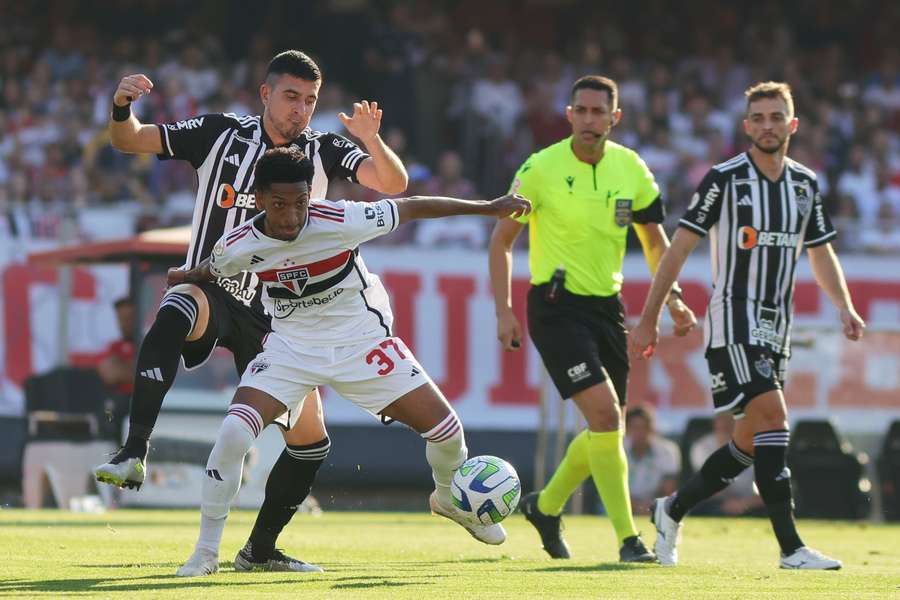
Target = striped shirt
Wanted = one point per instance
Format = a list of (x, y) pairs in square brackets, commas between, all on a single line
[(224, 148), (757, 230)]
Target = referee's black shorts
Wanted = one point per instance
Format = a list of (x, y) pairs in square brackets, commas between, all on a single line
[(231, 325), (581, 340)]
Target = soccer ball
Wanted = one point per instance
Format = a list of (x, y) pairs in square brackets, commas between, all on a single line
[(487, 488)]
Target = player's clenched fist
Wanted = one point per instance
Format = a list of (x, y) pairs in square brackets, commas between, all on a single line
[(510, 205), (131, 88)]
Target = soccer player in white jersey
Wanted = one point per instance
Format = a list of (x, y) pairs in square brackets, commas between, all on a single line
[(193, 319), (761, 209), (331, 325)]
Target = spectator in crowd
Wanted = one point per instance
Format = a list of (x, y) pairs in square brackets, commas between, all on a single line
[(654, 463), (740, 497), (116, 367), (462, 232), (858, 185), (492, 94)]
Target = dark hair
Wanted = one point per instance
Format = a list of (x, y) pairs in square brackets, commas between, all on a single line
[(296, 63), (770, 89), (643, 411), (286, 164), (599, 83), (123, 301)]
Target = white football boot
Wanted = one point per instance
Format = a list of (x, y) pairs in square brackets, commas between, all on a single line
[(200, 564), (124, 470), (807, 558), (488, 534), (668, 534)]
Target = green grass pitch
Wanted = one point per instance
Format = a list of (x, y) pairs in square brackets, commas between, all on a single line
[(134, 554)]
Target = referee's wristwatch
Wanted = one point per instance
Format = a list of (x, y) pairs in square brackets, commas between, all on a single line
[(675, 294)]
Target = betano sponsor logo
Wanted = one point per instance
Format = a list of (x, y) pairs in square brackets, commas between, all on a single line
[(228, 198), (749, 238)]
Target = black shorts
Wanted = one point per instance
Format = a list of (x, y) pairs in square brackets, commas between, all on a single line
[(741, 372), (231, 325), (581, 340)]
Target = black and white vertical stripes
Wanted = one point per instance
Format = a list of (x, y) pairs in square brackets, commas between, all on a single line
[(757, 229)]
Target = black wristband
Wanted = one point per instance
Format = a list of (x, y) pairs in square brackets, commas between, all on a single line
[(675, 292), (121, 113)]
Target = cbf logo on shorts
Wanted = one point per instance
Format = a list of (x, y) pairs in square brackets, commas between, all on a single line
[(578, 372)]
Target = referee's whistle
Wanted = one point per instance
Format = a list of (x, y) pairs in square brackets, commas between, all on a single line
[(515, 343)]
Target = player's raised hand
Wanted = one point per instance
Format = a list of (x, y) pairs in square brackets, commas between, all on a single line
[(132, 87), (509, 332), (365, 122), (682, 316), (642, 340), (853, 324), (510, 205)]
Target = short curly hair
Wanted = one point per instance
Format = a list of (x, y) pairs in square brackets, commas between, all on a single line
[(287, 164)]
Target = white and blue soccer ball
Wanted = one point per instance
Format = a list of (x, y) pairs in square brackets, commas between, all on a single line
[(486, 488)]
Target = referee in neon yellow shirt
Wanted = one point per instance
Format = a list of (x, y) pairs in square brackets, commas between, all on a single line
[(585, 191)]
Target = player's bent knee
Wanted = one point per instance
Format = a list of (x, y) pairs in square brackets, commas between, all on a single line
[(202, 317), (267, 406), (422, 409), (600, 408)]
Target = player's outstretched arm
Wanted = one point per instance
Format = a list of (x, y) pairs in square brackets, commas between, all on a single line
[(642, 339), (383, 171), (434, 207), (126, 133), (509, 331), (828, 273)]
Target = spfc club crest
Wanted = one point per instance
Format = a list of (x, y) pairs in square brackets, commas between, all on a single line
[(803, 197), (294, 280), (258, 366), (623, 213)]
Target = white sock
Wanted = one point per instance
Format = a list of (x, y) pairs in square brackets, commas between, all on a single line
[(223, 472), (445, 450), (210, 534)]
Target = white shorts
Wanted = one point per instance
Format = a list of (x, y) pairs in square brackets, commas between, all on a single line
[(371, 374)]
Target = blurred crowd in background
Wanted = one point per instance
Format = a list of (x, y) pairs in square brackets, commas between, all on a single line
[(469, 90)]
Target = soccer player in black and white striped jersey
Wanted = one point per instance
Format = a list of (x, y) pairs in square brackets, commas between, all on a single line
[(761, 208), (195, 318)]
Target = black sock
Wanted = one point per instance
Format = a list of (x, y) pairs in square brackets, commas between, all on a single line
[(288, 485), (157, 364), (715, 475), (773, 478)]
